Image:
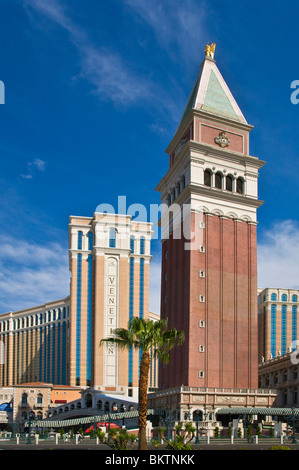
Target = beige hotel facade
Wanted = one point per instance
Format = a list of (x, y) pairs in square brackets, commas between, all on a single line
[(59, 342)]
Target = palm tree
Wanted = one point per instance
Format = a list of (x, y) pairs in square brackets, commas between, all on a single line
[(147, 336)]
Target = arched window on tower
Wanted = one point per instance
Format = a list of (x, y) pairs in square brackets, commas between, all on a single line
[(218, 180), (207, 178), (229, 183), (240, 186), (112, 238)]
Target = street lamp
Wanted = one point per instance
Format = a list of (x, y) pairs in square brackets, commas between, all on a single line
[(31, 417), (109, 419), (167, 422), (197, 412), (124, 410), (294, 441)]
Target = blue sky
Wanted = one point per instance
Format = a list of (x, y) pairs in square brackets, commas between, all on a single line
[(94, 91)]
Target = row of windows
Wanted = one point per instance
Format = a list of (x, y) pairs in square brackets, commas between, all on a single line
[(113, 241), (229, 183), (284, 297), (47, 356), (39, 399), (80, 240), (273, 330), (35, 320), (179, 187)]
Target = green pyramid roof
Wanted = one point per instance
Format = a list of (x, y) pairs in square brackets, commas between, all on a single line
[(211, 94)]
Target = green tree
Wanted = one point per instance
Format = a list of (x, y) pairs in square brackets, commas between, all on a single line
[(147, 336), (216, 432), (182, 438), (119, 439)]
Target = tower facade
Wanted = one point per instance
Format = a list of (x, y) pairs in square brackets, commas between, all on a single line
[(209, 287), (109, 264)]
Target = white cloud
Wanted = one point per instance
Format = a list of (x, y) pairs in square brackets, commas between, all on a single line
[(38, 164), (104, 69), (31, 274), (278, 256), (175, 23)]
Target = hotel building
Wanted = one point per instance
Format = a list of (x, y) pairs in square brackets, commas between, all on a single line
[(34, 344), (109, 264), (59, 342), (278, 322)]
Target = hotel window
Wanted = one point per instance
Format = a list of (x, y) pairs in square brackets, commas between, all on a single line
[(201, 298), (80, 236), (202, 273), (201, 348), (283, 329), (294, 325), (201, 324), (112, 238), (90, 240), (142, 245), (229, 183), (273, 330), (132, 243), (207, 178), (284, 297), (273, 297), (218, 180), (201, 374), (294, 298)]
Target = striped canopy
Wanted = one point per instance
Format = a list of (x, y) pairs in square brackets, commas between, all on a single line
[(259, 411)]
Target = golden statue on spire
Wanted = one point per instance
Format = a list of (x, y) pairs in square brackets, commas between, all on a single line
[(210, 50)]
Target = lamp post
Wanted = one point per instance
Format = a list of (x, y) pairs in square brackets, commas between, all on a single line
[(31, 417), (124, 410), (109, 419), (196, 412), (167, 422), (294, 441)]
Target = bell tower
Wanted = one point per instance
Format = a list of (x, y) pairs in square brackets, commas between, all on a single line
[(209, 289)]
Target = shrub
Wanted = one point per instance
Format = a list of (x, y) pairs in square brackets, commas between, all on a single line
[(279, 448), (182, 438), (118, 439)]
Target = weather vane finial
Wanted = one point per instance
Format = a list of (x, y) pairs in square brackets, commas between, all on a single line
[(210, 50)]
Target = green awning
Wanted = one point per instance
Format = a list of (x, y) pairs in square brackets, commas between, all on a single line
[(259, 411)]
